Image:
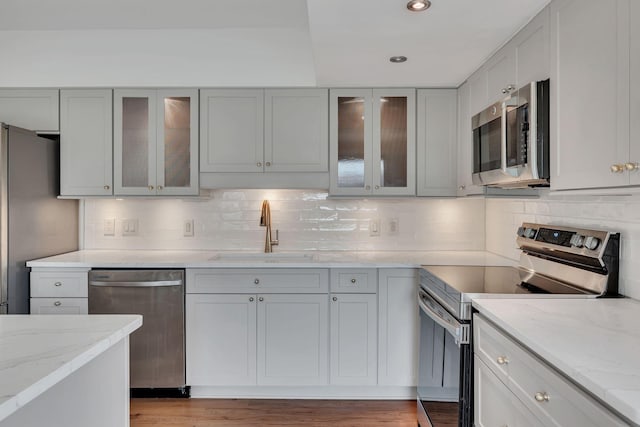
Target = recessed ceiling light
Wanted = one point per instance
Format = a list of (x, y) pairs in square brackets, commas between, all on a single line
[(418, 5), (398, 59)]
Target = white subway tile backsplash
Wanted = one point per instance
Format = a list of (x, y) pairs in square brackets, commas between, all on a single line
[(307, 220)]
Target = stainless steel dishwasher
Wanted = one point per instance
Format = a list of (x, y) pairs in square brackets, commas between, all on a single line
[(156, 349)]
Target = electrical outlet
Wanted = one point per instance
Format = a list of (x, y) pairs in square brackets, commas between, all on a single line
[(374, 227), (129, 227), (394, 226), (187, 228), (110, 227)]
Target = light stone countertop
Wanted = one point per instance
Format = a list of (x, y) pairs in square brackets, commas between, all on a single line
[(595, 342), (39, 351), (302, 259)]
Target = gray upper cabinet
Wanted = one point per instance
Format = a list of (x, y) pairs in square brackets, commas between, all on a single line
[(264, 138), (372, 142), (465, 186), (590, 94), (155, 142), (525, 58), (634, 137), (501, 74), (86, 143), (232, 130), (531, 50), (34, 109), (436, 142), (296, 135)]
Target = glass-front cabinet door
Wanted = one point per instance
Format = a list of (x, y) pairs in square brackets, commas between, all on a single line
[(372, 142), (155, 142)]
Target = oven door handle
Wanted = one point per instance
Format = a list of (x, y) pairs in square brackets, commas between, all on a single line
[(459, 331)]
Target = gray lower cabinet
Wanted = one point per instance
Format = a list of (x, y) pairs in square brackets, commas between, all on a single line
[(59, 290), (514, 387), (353, 326)]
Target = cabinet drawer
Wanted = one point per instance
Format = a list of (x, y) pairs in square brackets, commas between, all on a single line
[(354, 280), (531, 380), (257, 280), (59, 306), (544, 391), (492, 347), (59, 284)]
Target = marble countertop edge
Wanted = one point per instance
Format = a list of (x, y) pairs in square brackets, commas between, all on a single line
[(32, 391)]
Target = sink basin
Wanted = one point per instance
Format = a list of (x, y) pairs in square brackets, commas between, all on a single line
[(262, 257)]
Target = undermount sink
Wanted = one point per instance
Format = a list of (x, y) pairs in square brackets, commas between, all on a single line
[(262, 257)]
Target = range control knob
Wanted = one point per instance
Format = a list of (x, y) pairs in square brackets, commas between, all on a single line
[(521, 231), (577, 240), (529, 233), (591, 243)]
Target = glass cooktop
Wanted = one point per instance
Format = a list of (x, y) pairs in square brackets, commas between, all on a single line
[(455, 285)]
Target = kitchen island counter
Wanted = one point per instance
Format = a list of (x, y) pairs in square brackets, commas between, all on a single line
[(593, 342), (60, 370)]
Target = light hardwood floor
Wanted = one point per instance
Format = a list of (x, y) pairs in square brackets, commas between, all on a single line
[(269, 412)]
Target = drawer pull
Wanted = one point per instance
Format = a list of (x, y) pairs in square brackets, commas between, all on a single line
[(335, 298), (256, 281), (541, 397), (250, 299), (353, 280), (261, 299), (57, 284), (57, 303), (502, 360)]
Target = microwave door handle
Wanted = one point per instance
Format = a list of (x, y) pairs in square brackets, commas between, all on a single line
[(503, 138), (458, 331)]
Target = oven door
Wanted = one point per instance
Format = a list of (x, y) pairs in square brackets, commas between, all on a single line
[(444, 371)]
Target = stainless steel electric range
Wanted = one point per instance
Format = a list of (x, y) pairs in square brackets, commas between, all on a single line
[(555, 262)]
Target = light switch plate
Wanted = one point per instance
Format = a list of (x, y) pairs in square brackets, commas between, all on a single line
[(187, 228), (110, 227), (129, 227), (394, 226), (374, 227)]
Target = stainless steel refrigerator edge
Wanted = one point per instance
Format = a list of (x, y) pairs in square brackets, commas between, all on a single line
[(34, 223)]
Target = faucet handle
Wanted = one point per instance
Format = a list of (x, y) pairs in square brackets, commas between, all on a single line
[(275, 242)]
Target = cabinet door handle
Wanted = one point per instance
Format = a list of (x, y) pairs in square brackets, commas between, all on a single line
[(335, 298), (57, 284), (256, 281), (151, 188), (160, 187), (57, 303), (250, 299), (106, 187), (268, 164), (260, 299), (632, 166), (462, 187), (541, 397), (502, 360), (504, 90), (353, 280), (368, 187), (259, 164), (377, 187), (616, 168)]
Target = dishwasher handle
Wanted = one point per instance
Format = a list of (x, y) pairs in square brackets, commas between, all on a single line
[(141, 284)]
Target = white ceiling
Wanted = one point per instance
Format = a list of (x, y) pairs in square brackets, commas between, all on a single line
[(333, 42)]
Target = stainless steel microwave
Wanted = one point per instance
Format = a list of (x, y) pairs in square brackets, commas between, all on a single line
[(511, 140)]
